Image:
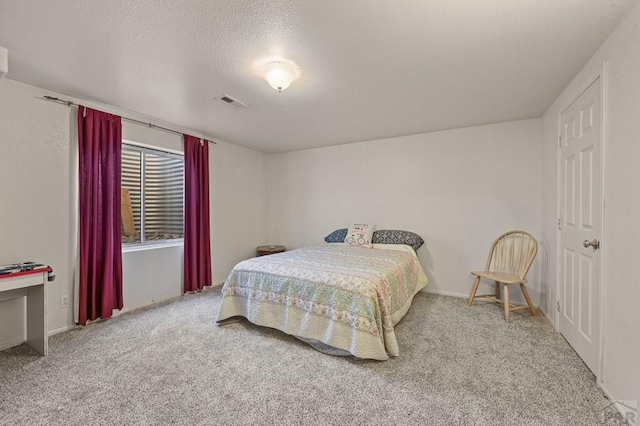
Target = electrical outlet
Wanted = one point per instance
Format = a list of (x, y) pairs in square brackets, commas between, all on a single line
[(64, 301)]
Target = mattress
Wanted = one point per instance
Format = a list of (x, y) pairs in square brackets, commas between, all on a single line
[(347, 297)]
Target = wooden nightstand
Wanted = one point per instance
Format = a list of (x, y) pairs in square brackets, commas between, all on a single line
[(264, 250)]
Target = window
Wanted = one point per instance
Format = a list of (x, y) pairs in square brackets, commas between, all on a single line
[(152, 195)]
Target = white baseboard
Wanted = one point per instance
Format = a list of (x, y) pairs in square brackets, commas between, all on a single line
[(515, 299), (217, 286), (627, 409), (12, 343), (61, 330), (446, 293), (115, 314), (165, 300), (544, 314), (466, 296)]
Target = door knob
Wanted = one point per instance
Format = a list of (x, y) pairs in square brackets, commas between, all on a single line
[(595, 244)]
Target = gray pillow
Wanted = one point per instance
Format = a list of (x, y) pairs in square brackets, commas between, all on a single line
[(336, 236), (383, 236), (392, 236)]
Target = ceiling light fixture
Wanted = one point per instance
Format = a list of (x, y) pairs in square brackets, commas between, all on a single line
[(279, 73)]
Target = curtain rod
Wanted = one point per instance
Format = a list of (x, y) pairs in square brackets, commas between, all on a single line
[(130, 120)]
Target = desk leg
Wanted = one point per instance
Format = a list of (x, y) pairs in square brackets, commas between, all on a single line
[(37, 317)]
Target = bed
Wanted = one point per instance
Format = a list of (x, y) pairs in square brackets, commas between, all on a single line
[(346, 297)]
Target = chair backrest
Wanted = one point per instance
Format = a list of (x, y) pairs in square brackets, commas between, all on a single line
[(513, 253)]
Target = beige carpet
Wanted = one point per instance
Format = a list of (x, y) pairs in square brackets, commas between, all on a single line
[(171, 364)]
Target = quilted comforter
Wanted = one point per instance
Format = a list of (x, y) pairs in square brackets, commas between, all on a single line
[(347, 297)]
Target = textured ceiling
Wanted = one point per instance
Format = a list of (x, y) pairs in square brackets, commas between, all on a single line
[(370, 68)]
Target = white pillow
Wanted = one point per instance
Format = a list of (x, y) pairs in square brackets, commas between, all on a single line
[(359, 234)]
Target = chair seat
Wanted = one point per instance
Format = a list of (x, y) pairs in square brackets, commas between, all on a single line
[(500, 277)]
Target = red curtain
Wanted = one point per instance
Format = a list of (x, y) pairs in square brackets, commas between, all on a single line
[(197, 249), (100, 150)]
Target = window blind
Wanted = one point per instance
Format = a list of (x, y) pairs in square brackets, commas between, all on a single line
[(155, 181)]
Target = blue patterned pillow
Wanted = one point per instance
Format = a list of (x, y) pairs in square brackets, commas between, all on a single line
[(390, 236), (383, 236), (336, 236)]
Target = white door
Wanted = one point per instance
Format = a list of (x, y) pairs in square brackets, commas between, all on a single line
[(581, 224)]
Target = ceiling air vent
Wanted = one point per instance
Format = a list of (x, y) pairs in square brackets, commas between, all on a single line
[(232, 102)]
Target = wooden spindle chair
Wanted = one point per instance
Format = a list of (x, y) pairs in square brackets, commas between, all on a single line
[(510, 258)]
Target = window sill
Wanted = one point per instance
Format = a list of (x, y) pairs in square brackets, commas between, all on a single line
[(126, 248)]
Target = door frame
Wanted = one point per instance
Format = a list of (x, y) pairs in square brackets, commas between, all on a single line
[(601, 73)]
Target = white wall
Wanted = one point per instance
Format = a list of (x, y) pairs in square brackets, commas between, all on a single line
[(37, 211), (151, 275), (458, 189), (621, 240), (238, 206), (35, 221), (238, 195)]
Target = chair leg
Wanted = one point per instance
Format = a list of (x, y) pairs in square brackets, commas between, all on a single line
[(532, 308), (506, 302), (473, 291), (497, 290)]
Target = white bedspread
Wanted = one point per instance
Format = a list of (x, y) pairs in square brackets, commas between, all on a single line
[(344, 296)]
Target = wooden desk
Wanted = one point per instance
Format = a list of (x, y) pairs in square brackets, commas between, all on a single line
[(32, 285)]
